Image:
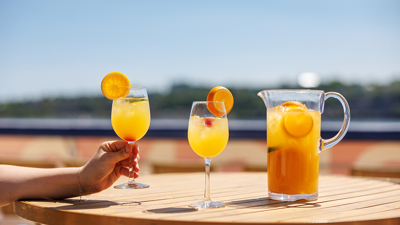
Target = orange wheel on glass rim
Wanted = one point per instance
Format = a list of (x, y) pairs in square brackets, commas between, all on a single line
[(220, 94), (115, 85)]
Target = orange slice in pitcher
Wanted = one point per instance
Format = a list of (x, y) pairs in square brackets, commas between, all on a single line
[(220, 94), (298, 123), (115, 85), (292, 104)]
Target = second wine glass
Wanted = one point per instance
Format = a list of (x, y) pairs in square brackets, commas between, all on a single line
[(208, 136), (130, 118)]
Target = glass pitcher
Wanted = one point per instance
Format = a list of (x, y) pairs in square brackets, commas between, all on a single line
[(294, 141)]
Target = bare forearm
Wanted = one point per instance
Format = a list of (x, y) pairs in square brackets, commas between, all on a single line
[(33, 183)]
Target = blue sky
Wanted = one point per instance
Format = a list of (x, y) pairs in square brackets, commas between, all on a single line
[(59, 48)]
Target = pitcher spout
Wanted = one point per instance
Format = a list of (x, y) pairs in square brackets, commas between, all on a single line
[(263, 95)]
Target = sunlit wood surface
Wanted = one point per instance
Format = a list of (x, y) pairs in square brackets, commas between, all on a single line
[(342, 200)]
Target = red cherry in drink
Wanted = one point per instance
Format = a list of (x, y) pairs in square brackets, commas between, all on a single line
[(208, 122)]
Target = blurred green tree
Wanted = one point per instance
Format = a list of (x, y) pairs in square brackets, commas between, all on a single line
[(366, 102)]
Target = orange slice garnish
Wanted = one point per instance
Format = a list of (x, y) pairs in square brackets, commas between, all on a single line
[(220, 94), (298, 123), (115, 85)]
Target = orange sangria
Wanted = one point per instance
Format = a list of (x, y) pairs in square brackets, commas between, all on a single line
[(293, 133), (294, 141)]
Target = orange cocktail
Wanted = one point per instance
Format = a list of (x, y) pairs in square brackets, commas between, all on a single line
[(208, 136), (130, 114), (293, 134), (130, 118)]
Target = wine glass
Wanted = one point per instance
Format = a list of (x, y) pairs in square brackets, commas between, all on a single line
[(208, 136), (130, 118)]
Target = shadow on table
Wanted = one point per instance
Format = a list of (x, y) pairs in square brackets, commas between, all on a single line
[(91, 204), (171, 210), (101, 204), (267, 203)]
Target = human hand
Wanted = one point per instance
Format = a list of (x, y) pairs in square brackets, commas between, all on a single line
[(112, 159)]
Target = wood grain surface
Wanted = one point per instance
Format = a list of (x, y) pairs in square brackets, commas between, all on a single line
[(342, 200)]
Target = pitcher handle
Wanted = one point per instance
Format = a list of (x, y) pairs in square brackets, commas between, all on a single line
[(346, 122)]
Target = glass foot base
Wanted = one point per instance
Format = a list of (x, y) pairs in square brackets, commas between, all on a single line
[(206, 205), (131, 185), (290, 198)]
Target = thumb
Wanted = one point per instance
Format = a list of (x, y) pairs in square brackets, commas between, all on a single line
[(123, 153)]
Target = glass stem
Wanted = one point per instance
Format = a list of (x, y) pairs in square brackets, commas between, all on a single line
[(131, 179), (207, 187)]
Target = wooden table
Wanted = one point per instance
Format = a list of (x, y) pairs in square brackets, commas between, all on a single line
[(342, 200)]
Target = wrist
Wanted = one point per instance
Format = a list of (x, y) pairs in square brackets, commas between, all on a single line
[(84, 185), (79, 184)]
